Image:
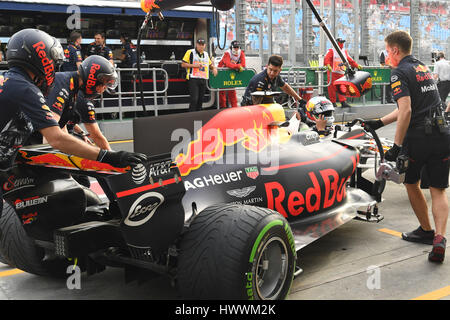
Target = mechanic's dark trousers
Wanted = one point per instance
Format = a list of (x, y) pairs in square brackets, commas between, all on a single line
[(444, 89), (197, 88), (232, 98)]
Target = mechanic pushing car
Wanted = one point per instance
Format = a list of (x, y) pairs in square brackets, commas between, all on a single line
[(268, 80), (423, 135), (32, 57), (70, 97)]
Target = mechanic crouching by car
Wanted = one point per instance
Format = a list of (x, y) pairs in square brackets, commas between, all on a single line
[(32, 57), (422, 135)]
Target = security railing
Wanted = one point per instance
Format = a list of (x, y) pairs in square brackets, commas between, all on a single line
[(129, 100)]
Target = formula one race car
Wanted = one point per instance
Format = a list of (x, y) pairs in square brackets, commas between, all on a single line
[(224, 215)]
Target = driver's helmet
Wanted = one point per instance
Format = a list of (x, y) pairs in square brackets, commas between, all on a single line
[(96, 70), (319, 105), (38, 52)]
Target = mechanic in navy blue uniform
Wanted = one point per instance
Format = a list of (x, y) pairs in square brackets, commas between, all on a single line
[(129, 52), (268, 80), (98, 47), (71, 104), (422, 136), (32, 57), (72, 54)]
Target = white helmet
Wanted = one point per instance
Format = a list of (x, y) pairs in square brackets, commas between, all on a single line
[(320, 105)]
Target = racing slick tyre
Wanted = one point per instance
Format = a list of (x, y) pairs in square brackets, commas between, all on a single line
[(233, 251), (20, 251)]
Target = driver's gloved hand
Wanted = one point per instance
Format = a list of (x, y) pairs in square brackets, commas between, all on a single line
[(374, 124), (392, 153), (121, 159)]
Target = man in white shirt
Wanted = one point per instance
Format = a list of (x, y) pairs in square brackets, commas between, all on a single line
[(442, 73)]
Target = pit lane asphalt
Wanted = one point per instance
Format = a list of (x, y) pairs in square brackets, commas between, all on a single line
[(357, 261)]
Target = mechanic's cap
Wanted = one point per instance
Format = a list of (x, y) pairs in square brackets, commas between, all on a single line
[(235, 44), (201, 41), (340, 40)]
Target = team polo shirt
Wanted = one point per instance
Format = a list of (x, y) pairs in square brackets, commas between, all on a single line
[(412, 78), (261, 82), (66, 95), (19, 94), (72, 55)]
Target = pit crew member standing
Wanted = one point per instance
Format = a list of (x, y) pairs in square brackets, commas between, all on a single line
[(32, 59), (268, 80), (72, 54), (129, 52), (420, 135), (234, 58), (98, 47), (336, 70), (197, 64)]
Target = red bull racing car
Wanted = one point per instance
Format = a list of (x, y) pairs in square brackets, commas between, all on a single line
[(224, 214)]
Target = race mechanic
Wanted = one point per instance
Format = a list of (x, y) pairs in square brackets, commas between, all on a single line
[(99, 47), (422, 135), (268, 80), (70, 98), (72, 54), (32, 57), (128, 56)]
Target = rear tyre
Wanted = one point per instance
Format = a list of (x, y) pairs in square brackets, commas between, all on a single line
[(236, 252), (20, 251)]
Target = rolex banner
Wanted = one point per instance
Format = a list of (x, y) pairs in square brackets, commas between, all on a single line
[(227, 78)]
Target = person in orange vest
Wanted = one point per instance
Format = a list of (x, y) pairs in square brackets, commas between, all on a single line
[(336, 70), (234, 58)]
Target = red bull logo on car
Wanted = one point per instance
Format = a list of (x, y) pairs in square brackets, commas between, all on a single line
[(71, 162), (252, 131)]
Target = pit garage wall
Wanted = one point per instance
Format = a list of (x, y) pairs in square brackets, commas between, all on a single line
[(153, 135)]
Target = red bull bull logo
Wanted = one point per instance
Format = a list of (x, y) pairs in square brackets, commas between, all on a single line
[(421, 68), (248, 126), (65, 161)]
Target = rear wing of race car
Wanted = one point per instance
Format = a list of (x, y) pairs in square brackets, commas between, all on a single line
[(149, 198), (148, 195)]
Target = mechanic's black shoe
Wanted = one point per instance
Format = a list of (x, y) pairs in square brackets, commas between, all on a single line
[(419, 235), (345, 105), (437, 254), (334, 105)]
